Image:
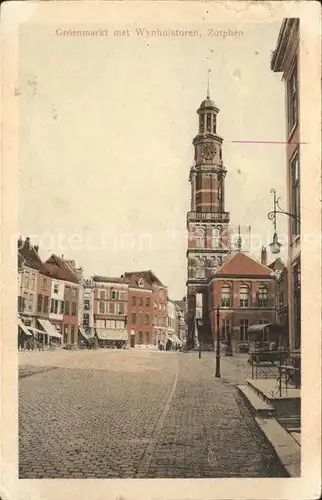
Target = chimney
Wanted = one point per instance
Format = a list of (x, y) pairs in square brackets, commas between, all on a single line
[(36, 247), (264, 256), (27, 242)]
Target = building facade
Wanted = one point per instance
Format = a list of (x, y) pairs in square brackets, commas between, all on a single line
[(285, 60), (150, 302), (244, 291), (207, 220), (110, 301)]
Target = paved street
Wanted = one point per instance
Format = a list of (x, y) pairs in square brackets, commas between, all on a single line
[(117, 414)]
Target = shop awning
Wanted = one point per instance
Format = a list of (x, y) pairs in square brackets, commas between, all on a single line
[(36, 330), (23, 327), (111, 334), (49, 328), (82, 332), (173, 338)]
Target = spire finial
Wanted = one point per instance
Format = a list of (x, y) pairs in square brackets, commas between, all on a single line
[(239, 240), (208, 78)]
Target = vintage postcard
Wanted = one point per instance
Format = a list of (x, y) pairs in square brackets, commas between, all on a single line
[(161, 250)]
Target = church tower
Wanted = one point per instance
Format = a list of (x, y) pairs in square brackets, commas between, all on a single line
[(207, 221)]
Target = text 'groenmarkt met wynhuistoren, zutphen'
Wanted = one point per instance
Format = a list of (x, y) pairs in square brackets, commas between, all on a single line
[(149, 33)]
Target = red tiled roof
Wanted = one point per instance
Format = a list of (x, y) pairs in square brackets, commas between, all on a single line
[(107, 279), (56, 268), (241, 264)]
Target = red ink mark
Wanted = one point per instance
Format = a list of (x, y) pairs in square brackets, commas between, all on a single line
[(268, 142)]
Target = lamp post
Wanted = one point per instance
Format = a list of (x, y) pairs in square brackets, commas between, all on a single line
[(199, 326), (217, 373), (275, 246)]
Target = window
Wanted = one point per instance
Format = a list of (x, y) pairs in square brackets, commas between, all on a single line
[(140, 338), (200, 240), (61, 307), (295, 197), (44, 283), (147, 302), (147, 319), (46, 304), (39, 303), (56, 288), (134, 300), (226, 328), (74, 308), (243, 329), (86, 304), (292, 100), (66, 307), (52, 305), (56, 307), (72, 335), (208, 123), (133, 318), (111, 308), (122, 295), (113, 294), (262, 322), (147, 335), (119, 325), (226, 296), (121, 308), (101, 307), (141, 301), (102, 294), (215, 238), (244, 296), (262, 296), (100, 323), (86, 319), (154, 305), (200, 272)]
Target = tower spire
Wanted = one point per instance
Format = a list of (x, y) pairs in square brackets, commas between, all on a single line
[(239, 240), (208, 85)]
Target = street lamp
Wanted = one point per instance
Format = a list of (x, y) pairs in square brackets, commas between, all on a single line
[(275, 246), (217, 373)]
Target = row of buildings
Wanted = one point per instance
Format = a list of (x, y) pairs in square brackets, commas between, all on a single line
[(57, 305), (246, 291)]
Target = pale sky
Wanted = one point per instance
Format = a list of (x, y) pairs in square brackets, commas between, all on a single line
[(106, 143)]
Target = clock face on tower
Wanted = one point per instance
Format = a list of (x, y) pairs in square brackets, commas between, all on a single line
[(208, 151)]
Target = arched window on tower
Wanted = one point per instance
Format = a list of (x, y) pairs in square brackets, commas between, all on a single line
[(244, 296), (200, 238), (208, 123), (225, 296), (201, 123), (214, 125), (216, 238)]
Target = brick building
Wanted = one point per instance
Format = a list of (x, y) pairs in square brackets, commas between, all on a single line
[(148, 298), (244, 290), (29, 264), (62, 325), (110, 301), (285, 60)]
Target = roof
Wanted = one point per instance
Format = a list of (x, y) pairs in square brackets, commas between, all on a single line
[(277, 265), (241, 264), (208, 103), (56, 268), (148, 276), (28, 254), (181, 304), (107, 279)]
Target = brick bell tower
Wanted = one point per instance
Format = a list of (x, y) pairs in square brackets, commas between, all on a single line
[(207, 222)]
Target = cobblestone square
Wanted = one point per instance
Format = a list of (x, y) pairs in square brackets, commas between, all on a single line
[(136, 414)]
